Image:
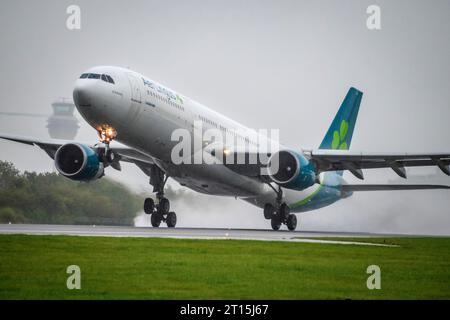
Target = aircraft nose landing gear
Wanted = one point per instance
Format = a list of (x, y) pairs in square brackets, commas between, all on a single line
[(107, 134), (160, 211)]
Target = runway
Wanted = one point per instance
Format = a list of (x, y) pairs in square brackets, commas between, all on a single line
[(185, 233)]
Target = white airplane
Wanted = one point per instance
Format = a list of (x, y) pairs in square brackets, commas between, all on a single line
[(142, 115)]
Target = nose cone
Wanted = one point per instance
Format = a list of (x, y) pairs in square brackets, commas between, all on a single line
[(86, 99), (83, 94)]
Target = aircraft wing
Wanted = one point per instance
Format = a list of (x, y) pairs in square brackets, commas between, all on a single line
[(123, 152), (338, 160)]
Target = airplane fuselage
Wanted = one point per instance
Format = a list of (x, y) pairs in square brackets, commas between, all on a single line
[(145, 114)]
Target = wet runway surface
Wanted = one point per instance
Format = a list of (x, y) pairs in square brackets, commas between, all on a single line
[(184, 233)]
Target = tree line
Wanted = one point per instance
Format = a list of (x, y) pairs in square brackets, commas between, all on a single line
[(50, 198)]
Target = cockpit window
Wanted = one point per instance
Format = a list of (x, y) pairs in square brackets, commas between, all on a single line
[(107, 78), (110, 79), (104, 77)]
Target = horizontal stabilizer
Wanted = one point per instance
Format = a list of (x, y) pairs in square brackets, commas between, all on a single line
[(381, 187)]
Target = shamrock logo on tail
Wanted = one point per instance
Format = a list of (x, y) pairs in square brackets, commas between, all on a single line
[(339, 137)]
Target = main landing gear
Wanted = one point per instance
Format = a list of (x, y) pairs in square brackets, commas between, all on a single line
[(159, 211), (280, 213)]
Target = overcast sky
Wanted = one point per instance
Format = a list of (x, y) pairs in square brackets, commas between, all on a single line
[(266, 64)]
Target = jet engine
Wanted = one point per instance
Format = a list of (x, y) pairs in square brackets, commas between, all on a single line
[(78, 162), (291, 170)]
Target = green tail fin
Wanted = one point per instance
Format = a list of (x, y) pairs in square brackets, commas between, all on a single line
[(340, 133)]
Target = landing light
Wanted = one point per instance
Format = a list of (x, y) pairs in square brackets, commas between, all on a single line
[(107, 134)]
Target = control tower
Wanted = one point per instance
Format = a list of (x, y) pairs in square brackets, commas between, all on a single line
[(62, 124)]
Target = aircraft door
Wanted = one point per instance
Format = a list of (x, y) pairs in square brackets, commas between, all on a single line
[(135, 88)]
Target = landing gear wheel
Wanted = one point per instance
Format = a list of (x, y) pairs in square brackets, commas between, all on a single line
[(171, 219), (276, 223), (163, 206), (161, 210), (156, 219), (291, 222), (110, 156), (284, 211), (268, 211), (149, 206)]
